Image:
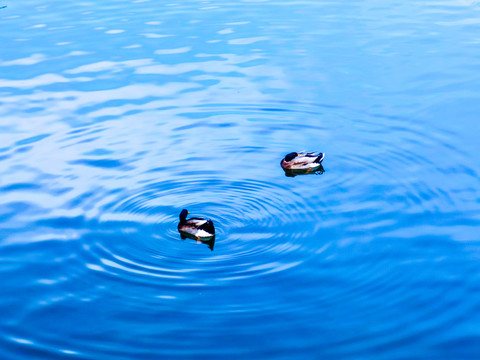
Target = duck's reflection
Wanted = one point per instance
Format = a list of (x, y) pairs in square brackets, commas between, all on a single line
[(209, 241), (294, 172)]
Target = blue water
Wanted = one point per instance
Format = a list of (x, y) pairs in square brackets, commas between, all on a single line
[(115, 115)]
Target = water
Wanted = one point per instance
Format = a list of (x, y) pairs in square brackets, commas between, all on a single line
[(116, 115)]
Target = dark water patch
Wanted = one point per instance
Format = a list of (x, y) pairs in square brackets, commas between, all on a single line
[(101, 163), (99, 152), (78, 222), (23, 149), (5, 157), (34, 110), (20, 186)]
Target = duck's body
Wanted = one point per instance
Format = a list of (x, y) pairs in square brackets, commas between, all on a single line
[(302, 161), (196, 227)]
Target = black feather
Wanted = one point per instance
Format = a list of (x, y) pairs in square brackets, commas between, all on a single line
[(208, 226), (319, 158)]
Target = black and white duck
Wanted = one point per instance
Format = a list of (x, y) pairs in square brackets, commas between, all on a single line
[(302, 161), (196, 227)]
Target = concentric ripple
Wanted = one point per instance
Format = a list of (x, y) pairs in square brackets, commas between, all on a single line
[(249, 217)]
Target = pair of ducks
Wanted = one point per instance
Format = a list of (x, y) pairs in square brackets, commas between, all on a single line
[(294, 164)]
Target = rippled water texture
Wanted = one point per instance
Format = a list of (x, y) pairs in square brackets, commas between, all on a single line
[(115, 115)]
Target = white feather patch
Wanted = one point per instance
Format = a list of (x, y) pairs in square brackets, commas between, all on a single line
[(203, 233)]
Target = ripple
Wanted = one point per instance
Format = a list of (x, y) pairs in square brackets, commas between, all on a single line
[(244, 212)]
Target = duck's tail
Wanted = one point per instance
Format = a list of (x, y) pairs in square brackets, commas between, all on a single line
[(208, 227), (319, 158)]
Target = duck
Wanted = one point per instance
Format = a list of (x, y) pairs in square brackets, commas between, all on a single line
[(196, 227), (302, 161)]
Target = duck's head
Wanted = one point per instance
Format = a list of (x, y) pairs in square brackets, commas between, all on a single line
[(291, 156), (183, 214)]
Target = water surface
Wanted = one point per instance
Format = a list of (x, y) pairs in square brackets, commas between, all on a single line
[(116, 115)]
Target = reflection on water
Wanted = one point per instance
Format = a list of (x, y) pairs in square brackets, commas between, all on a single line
[(115, 116), (208, 241)]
